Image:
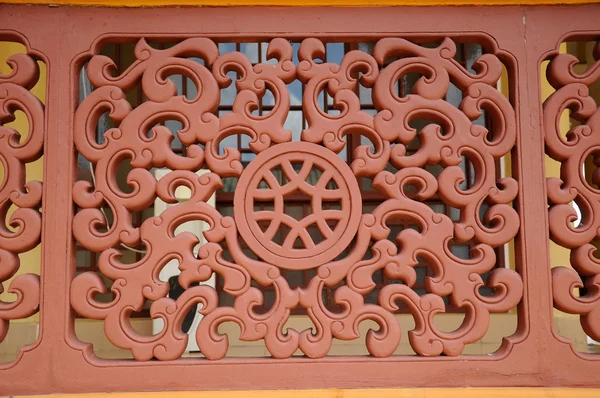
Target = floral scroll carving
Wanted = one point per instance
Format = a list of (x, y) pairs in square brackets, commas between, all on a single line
[(575, 150), (20, 229), (452, 135)]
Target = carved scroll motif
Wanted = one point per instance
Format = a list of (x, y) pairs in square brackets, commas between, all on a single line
[(577, 151), (452, 136), (20, 229)]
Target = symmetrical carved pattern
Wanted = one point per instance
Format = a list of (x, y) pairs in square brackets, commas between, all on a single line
[(451, 136), (25, 221), (582, 143)]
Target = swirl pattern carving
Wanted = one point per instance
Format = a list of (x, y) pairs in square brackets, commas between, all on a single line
[(451, 136), (578, 151), (20, 230)]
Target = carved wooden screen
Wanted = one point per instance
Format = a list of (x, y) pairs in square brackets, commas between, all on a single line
[(451, 152), (20, 195), (574, 195)]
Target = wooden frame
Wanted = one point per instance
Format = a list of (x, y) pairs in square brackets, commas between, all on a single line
[(64, 37)]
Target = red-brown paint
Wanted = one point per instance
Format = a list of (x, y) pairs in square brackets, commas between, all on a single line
[(520, 37), (583, 141), (14, 190)]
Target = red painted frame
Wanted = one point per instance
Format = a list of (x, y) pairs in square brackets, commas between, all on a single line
[(63, 37)]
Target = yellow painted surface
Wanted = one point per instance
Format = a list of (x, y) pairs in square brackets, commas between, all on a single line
[(365, 393), (301, 3)]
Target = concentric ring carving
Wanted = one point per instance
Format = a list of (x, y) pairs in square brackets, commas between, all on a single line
[(452, 135), (17, 148), (346, 192)]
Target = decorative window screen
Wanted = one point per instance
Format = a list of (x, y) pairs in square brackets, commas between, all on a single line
[(357, 197), (293, 231)]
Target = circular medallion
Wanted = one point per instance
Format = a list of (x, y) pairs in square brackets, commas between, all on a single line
[(322, 212)]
